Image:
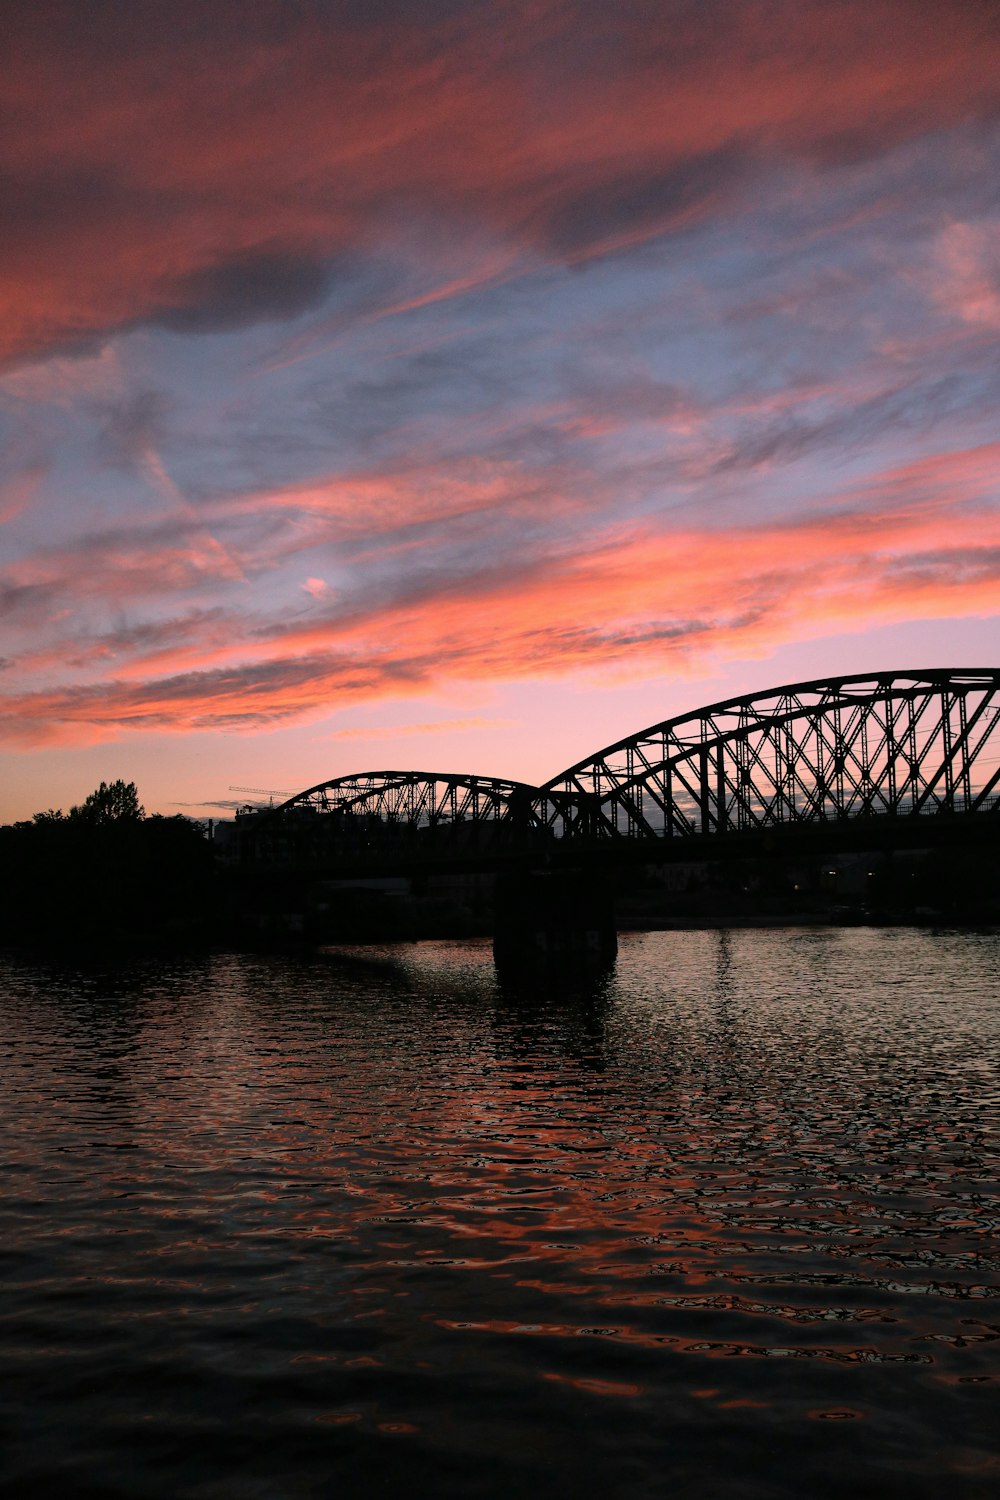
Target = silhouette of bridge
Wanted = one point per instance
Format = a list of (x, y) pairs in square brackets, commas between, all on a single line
[(909, 758)]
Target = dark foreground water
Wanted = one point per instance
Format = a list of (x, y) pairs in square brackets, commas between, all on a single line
[(373, 1226)]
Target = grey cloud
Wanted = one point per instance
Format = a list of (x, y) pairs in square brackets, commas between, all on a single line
[(128, 428), (850, 428), (28, 603), (951, 565), (245, 289), (145, 636), (581, 221), (210, 694)]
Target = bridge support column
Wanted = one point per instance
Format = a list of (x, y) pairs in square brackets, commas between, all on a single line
[(554, 920)]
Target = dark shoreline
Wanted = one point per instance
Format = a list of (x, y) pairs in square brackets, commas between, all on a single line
[(148, 946)]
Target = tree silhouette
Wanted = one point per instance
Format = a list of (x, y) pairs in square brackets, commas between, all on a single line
[(105, 874), (114, 802)]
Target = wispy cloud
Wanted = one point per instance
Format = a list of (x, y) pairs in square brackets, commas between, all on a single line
[(919, 542), (388, 349), (145, 187)]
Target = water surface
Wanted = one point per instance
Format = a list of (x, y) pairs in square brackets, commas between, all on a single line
[(370, 1224)]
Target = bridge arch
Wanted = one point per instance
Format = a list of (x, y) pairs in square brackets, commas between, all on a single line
[(369, 816), (896, 743), (415, 798), (425, 800)]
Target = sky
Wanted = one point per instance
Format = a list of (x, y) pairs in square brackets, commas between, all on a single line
[(462, 386)]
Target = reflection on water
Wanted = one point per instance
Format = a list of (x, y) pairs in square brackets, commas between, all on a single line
[(723, 1225)]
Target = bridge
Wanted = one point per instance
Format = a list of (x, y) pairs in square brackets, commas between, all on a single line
[(898, 758)]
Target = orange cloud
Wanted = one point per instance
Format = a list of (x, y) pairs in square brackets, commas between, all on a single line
[(920, 542)]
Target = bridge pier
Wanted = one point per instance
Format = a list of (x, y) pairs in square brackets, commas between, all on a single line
[(554, 920)]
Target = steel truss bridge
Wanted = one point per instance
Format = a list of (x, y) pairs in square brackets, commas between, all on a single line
[(908, 757)]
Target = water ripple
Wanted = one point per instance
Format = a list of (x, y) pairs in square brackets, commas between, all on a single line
[(725, 1225)]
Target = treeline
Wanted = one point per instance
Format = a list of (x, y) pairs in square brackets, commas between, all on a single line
[(104, 873)]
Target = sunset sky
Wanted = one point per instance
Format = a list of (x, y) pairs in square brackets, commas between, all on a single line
[(462, 386)]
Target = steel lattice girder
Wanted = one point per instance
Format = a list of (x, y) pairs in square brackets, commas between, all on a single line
[(429, 799), (423, 798), (899, 743)]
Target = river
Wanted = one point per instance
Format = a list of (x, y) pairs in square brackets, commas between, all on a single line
[(369, 1224)]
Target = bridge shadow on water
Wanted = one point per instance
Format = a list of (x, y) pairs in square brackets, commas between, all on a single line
[(533, 1014), (570, 1017)]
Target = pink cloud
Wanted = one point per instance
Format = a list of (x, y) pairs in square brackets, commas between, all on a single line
[(17, 493), (968, 283), (921, 541), (148, 181)]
